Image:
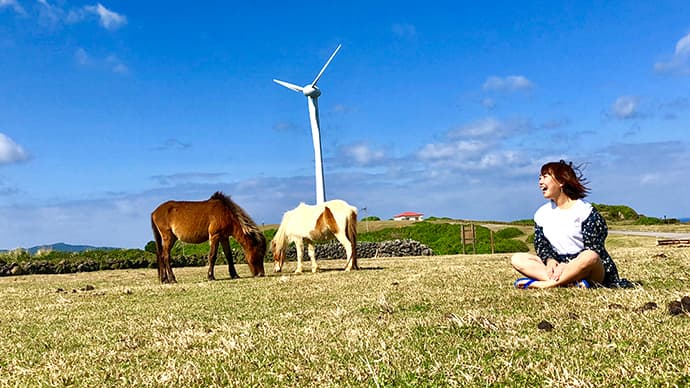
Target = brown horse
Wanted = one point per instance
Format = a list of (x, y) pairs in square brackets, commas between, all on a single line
[(215, 220)]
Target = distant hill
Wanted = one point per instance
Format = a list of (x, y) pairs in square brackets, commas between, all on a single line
[(62, 247), (626, 214), (617, 212)]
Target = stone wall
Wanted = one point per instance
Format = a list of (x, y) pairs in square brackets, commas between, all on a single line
[(392, 248)]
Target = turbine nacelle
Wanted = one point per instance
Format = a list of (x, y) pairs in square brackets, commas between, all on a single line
[(311, 91)]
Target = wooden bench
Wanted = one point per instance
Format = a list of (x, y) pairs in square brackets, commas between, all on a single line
[(678, 242)]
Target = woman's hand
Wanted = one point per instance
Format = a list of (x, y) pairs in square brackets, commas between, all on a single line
[(558, 271), (553, 269)]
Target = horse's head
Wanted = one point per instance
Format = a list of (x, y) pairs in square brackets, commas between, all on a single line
[(256, 256), (278, 256)]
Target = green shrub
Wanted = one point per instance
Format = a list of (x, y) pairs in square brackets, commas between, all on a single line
[(150, 247), (432, 218), (509, 246), (508, 233), (644, 220)]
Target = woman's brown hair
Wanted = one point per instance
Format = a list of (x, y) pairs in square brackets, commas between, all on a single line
[(574, 183)]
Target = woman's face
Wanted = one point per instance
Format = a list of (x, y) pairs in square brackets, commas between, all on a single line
[(549, 186)]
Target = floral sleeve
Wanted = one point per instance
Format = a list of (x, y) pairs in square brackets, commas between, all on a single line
[(542, 245), (594, 233)]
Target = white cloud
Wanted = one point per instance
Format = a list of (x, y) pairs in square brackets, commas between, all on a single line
[(499, 159), (11, 152), (491, 128), (16, 7), (509, 83), (286, 126), (187, 177), (49, 15), (109, 20), (651, 178), (342, 108), (451, 150), (626, 107), (111, 62), (120, 68), (683, 46), (679, 63), (485, 127), (54, 15), (362, 154)]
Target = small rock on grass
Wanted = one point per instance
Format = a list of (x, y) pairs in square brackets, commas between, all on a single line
[(545, 325), (677, 307)]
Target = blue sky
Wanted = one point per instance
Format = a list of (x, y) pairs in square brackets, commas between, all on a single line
[(108, 109)]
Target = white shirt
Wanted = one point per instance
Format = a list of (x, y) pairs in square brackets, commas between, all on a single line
[(563, 227)]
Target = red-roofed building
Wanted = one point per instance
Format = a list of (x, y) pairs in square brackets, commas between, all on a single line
[(411, 216)]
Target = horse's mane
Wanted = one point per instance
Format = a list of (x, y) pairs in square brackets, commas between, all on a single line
[(280, 238), (246, 223)]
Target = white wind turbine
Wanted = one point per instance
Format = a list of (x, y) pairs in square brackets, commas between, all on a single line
[(312, 92)]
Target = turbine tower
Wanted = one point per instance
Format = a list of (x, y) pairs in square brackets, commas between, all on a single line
[(312, 92)]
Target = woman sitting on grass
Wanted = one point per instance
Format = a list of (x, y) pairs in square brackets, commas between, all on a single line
[(569, 236)]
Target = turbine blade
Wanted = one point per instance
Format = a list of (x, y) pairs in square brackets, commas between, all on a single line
[(325, 66), (288, 85)]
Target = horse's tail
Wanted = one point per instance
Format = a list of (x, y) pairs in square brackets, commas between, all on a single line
[(156, 236), (159, 245), (351, 234)]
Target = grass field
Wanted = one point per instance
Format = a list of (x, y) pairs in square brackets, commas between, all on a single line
[(432, 321)]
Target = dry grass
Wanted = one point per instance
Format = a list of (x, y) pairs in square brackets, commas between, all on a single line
[(449, 320)]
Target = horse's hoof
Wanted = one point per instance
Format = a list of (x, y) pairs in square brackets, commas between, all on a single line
[(234, 276), (211, 278)]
